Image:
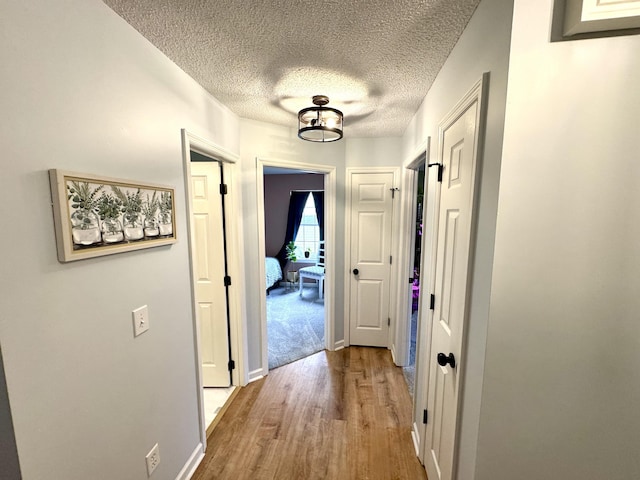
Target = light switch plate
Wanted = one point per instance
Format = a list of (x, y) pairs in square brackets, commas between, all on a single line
[(140, 320)]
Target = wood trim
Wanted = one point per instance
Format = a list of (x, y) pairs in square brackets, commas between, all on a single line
[(222, 411)]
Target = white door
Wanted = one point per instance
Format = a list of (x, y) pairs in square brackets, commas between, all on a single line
[(209, 273), (458, 144), (370, 225)]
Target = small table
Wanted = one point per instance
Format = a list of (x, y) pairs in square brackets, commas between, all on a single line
[(292, 278)]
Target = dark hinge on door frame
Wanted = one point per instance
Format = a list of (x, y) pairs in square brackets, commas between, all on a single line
[(223, 189), (227, 280), (232, 365), (432, 302), (440, 169), (388, 321), (390, 260), (425, 416)]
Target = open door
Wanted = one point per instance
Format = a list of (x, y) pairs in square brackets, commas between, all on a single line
[(209, 272)]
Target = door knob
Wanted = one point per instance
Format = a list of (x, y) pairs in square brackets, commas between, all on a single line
[(443, 360), (356, 271)]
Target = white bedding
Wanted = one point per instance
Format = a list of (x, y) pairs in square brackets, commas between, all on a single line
[(273, 272)]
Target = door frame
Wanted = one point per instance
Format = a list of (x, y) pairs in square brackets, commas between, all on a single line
[(400, 347), (329, 173), (393, 271), (235, 262), (428, 268)]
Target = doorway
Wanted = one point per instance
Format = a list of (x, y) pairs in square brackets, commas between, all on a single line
[(294, 235), (209, 242), (224, 314), (409, 370), (328, 174)]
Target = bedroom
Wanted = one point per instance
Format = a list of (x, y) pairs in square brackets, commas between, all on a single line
[(295, 311)]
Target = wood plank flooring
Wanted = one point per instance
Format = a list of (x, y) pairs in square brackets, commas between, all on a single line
[(334, 415)]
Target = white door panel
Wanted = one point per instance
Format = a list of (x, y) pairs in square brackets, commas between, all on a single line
[(209, 272), (458, 145), (370, 226), (369, 298)]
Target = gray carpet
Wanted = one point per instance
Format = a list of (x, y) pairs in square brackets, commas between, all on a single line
[(410, 370), (295, 325)]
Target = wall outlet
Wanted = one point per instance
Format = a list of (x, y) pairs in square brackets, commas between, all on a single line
[(153, 459), (140, 320)]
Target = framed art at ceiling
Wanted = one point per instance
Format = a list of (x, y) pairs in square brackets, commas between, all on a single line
[(591, 16), (97, 216)]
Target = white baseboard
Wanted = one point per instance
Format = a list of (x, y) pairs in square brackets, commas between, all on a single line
[(190, 467), (256, 375), (393, 354), (339, 345), (416, 439)]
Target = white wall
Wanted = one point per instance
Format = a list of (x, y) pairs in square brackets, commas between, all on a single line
[(562, 372), (483, 47), (273, 142), (82, 91), (373, 152)]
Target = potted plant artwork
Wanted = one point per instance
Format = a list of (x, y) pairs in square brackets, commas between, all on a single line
[(131, 213), (109, 208), (95, 215), (150, 210), (165, 217), (85, 227)]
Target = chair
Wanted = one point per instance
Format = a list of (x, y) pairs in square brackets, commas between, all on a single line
[(315, 272)]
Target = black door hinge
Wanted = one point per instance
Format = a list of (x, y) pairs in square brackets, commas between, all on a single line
[(390, 260), (232, 365), (410, 279), (227, 280), (223, 189), (425, 416), (432, 302), (440, 169), (388, 322)]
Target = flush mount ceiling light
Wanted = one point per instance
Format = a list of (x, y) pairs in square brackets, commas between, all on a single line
[(320, 123)]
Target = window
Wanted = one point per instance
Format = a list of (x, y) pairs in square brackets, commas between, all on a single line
[(308, 235)]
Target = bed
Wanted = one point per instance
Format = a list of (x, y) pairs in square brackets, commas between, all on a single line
[(273, 272)]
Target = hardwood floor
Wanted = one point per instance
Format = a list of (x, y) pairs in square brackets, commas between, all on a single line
[(333, 415)]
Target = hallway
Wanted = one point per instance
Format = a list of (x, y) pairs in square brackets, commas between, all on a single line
[(333, 415)]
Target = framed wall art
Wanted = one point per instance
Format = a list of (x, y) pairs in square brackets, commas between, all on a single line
[(592, 16), (97, 216)]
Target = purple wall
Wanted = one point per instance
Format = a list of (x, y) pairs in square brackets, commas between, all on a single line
[(276, 204)]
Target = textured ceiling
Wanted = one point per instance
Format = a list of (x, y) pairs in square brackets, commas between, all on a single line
[(264, 60)]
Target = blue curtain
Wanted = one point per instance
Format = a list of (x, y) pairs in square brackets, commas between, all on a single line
[(294, 217), (318, 199)]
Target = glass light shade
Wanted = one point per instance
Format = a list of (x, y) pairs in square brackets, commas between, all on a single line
[(320, 123)]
